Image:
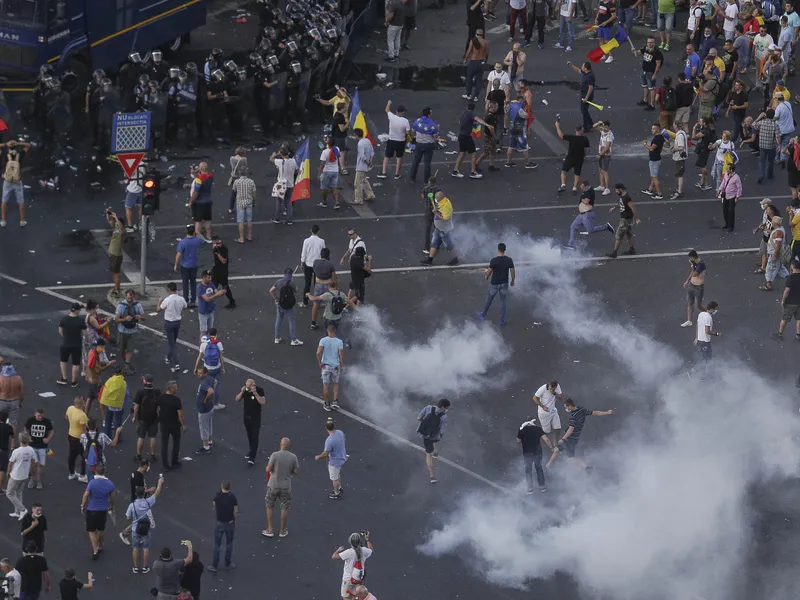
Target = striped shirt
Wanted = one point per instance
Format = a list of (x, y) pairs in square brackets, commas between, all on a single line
[(767, 130), (576, 420), (244, 188)]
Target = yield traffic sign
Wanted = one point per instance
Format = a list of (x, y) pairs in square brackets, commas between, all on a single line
[(130, 161)]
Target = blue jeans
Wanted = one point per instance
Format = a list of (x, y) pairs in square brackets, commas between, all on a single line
[(766, 163), (585, 220), (474, 81), (565, 25), (587, 118), (780, 156), (112, 421), (502, 289), (626, 17), (283, 204), (189, 282), (422, 152), (654, 7), (716, 174), (289, 314), (217, 375), (171, 329), (227, 530)]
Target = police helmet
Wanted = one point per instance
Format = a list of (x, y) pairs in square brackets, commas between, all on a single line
[(182, 76), (156, 55), (291, 45), (296, 67), (46, 69), (173, 72), (106, 83), (154, 85), (99, 74), (191, 68), (230, 66), (144, 79), (217, 75), (134, 57), (216, 53)]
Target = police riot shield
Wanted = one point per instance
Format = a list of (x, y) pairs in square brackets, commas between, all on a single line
[(318, 78), (334, 72), (304, 83), (277, 93)]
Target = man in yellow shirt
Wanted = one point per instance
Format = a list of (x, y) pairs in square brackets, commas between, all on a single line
[(340, 97), (77, 420), (794, 218), (442, 228)]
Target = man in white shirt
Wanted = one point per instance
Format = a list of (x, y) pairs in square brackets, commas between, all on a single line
[(365, 153), (355, 242), (731, 18), (312, 247), (785, 120), (173, 306), (19, 469), (545, 397), (396, 146), (566, 27), (14, 578), (505, 81), (704, 331), (133, 197), (680, 152)]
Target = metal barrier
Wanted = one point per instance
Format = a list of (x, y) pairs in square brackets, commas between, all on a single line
[(360, 32)]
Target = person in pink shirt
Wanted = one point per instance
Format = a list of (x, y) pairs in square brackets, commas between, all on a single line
[(362, 593), (730, 190)]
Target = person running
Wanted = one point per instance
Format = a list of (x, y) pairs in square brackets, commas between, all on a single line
[(226, 508), (577, 418), (790, 303), (694, 286), (355, 557), (282, 466), (627, 216), (140, 517), (604, 155), (330, 357), (432, 421), (545, 398), (654, 156), (585, 217), (442, 228), (187, 260), (70, 329), (204, 402), (145, 416), (530, 437), (704, 330), (336, 454), (41, 430), (284, 293), (578, 148), (173, 306), (97, 503), (466, 143), (499, 268), (680, 147), (253, 399)]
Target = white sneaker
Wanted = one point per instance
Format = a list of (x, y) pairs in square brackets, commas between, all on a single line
[(22, 514), (606, 192), (558, 45), (14, 514), (219, 406), (73, 477), (83, 479), (686, 324), (277, 340), (296, 343), (599, 188), (3, 223), (568, 49), (610, 59), (125, 540)]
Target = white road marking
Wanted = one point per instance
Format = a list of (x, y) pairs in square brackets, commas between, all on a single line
[(12, 279), (10, 353), (414, 269), (130, 268), (38, 316), (397, 438), (569, 204)]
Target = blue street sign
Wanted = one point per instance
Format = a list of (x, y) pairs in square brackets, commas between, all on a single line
[(130, 132)]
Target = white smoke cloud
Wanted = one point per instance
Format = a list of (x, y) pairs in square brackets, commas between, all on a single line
[(669, 517)]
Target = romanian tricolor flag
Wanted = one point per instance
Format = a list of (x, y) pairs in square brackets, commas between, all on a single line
[(598, 53), (302, 184), (358, 120)]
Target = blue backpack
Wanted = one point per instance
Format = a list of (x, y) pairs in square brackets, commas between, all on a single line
[(211, 355)]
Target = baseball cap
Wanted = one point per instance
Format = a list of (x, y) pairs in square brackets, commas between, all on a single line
[(206, 272), (148, 378), (76, 306), (288, 271)]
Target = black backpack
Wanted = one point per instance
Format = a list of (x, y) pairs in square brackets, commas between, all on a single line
[(429, 427), (337, 304), (670, 99), (286, 299)]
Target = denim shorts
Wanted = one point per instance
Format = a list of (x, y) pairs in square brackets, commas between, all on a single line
[(330, 375), (654, 165), (13, 188), (666, 22), (244, 214), (518, 143), (329, 181), (441, 238), (648, 80), (139, 541), (133, 200), (319, 289), (206, 321)]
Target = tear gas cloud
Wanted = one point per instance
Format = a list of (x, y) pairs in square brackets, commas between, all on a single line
[(669, 518)]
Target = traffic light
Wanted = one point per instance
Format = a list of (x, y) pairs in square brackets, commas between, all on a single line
[(151, 186)]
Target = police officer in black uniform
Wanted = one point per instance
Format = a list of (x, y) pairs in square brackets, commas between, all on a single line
[(263, 80), (183, 95), (140, 92), (197, 84), (290, 62), (216, 94), (90, 101), (157, 69), (172, 106), (128, 79), (108, 103), (213, 62), (157, 105)]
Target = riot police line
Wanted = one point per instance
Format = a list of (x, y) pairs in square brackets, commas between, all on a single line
[(298, 54)]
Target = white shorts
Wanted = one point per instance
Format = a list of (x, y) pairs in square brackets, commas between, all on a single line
[(333, 472), (549, 420), (348, 589)]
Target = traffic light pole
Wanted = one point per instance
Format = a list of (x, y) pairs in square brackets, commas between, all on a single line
[(144, 229)]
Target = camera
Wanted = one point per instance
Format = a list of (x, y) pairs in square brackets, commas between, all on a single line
[(558, 118)]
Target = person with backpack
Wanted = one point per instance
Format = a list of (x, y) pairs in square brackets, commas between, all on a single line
[(284, 293), (127, 316), (94, 445), (145, 416), (12, 179), (355, 557), (211, 353), (336, 303), (668, 103), (140, 516), (432, 420), (442, 229)]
